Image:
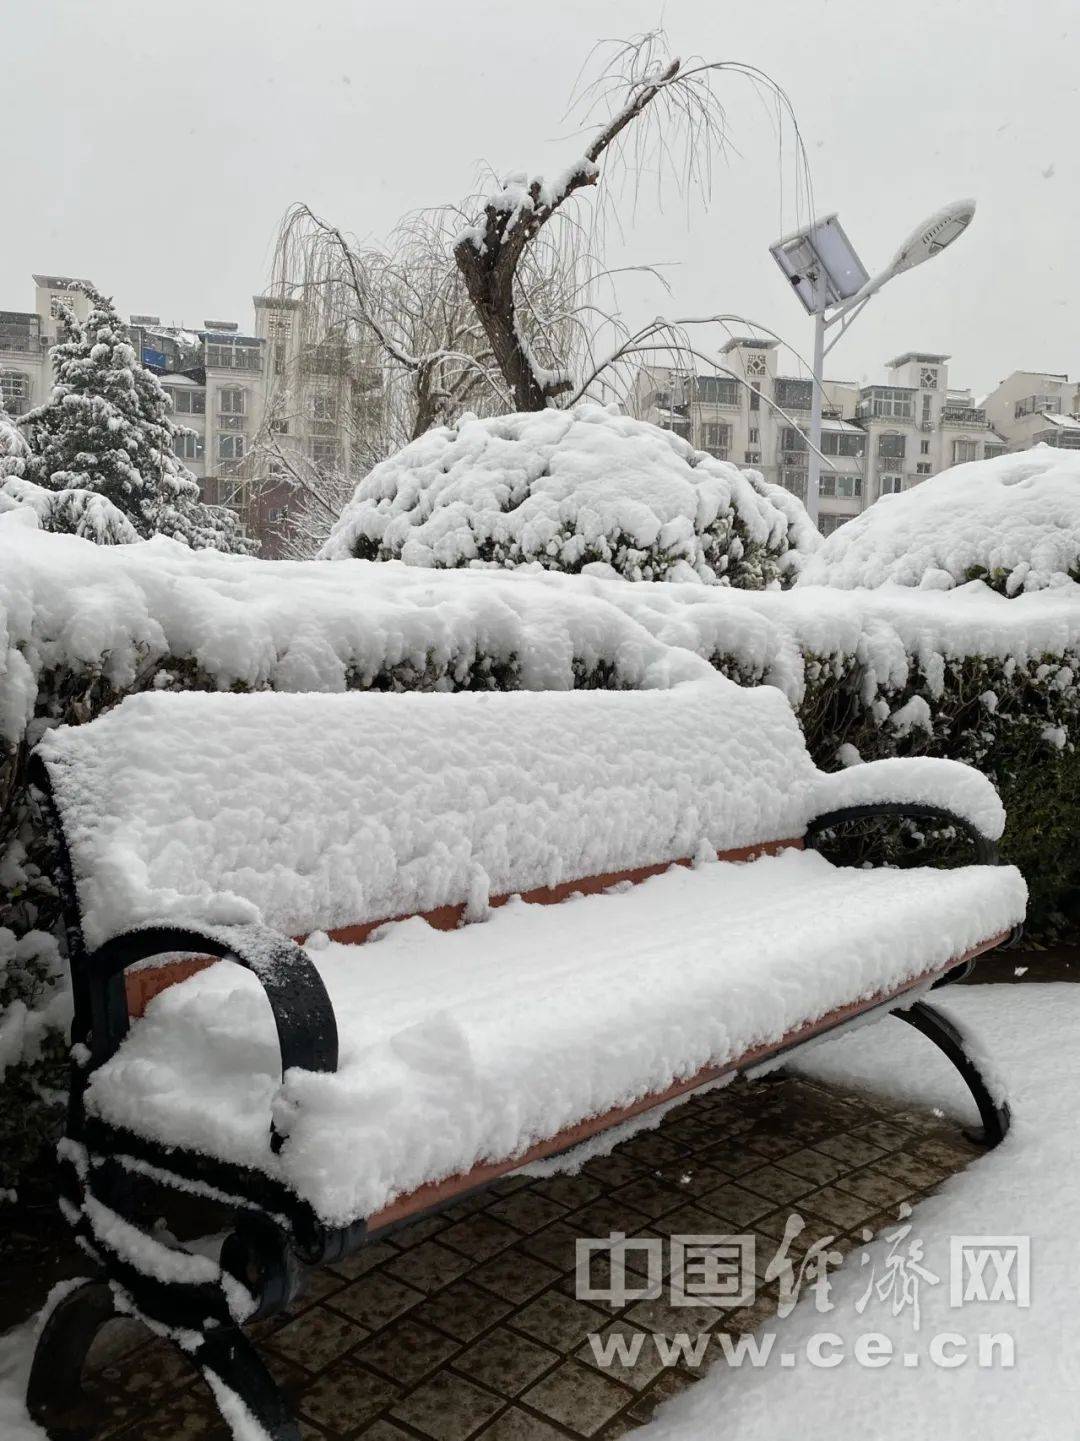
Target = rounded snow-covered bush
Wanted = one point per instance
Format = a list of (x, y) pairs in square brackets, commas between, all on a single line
[(1013, 522), (563, 490)]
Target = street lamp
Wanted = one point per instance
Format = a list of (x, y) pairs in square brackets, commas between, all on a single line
[(827, 275)]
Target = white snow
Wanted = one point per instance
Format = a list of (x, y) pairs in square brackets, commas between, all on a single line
[(1027, 1187), (565, 488), (1016, 517), (470, 1045), (313, 812)]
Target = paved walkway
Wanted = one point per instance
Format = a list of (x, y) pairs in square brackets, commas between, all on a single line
[(468, 1325)]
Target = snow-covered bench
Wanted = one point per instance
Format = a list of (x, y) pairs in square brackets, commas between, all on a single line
[(387, 1079)]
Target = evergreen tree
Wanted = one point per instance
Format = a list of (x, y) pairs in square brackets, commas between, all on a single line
[(107, 428)]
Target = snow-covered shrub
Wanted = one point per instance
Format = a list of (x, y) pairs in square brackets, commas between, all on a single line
[(1013, 522), (893, 671), (564, 490), (70, 512)]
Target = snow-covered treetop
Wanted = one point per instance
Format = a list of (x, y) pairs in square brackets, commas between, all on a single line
[(563, 490), (1013, 522)]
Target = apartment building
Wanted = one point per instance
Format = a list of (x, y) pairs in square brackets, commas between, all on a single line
[(876, 439), (254, 407), (1036, 407)]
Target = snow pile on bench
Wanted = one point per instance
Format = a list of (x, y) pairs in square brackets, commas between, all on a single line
[(1014, 521), (564, 489), (317, 812), (471, 1045)]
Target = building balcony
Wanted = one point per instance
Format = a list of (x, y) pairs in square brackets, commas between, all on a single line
[(964, 416)]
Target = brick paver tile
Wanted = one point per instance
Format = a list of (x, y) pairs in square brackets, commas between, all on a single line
[(364, 1260), (850, 1149), (613, 1170), (346, 1398), (428, 1266), (781, 1187), (578, 1397), (693, 1178), (604, 1215), (813, 1166), (463, 1310), (317, 1337), (649, 1196), (505, 1362), (516, 1425), (635, 1368), (734, 1204), (527, 1210), (905, 1166), (556, 1245), (950, 1155), (840, 1208), (730, 1157), (558, 1321), (514, 1275), (447, 1408), (661, 1316), (376, 1299), (882, 1133), (407, 1351), (418, 1231), (480, 1237), (876, 1186), (570, 1191)]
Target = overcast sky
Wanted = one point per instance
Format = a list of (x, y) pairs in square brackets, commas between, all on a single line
[(154, 147)]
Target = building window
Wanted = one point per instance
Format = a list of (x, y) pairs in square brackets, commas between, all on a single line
[(795, 481), (829, 523), (753, 457), (924, 447), (827, 483), (923, 468), (845, 443), (886, 402), (792, 440), (232, 400), (188, 445), (233, 353), (14, 391), (1033, 403), (793, 394), (755, 395), (755, 435), (990, 450), (715, 390), (891, 446), (892, 484), (230, 447), (928, 377), (927, 417), (964, 450), (187, 402), (849, 486), (323, 406), (755, 363), (717, 438), (324, 453), (277, 514)]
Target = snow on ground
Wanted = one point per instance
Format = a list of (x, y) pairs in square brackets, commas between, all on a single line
[(1016, 518), (441, 1066), (566, 488), (1028, 1187)]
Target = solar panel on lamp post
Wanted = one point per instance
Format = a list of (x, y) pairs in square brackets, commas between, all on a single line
[(831, 282)]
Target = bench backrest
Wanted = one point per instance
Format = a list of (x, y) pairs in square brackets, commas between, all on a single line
[(321, 811)]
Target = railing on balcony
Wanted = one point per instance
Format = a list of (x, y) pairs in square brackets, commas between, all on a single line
[(966, 416)]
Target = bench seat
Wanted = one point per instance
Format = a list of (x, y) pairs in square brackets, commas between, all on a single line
[(470, 1046)]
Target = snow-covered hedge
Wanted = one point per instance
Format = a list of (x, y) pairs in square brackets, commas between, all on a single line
[(1013, 522), (893, 671), (566, 490)]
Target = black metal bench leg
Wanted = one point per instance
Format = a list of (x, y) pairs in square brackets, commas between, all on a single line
[(54, 1393), (948, 1037), (241, 1383)]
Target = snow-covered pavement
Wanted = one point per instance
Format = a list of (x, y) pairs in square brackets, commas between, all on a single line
[(1028, 1188)]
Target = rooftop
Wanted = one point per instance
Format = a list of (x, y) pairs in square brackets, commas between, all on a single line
[(59, 282), (919, 356), (747, 342)]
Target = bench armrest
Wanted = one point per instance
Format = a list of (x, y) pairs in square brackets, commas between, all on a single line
[(920, 787), (303, 1014)]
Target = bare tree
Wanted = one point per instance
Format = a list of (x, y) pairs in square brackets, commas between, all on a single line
[(661, 114)]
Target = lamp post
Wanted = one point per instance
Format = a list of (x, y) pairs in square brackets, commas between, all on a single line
[(827, 275)]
